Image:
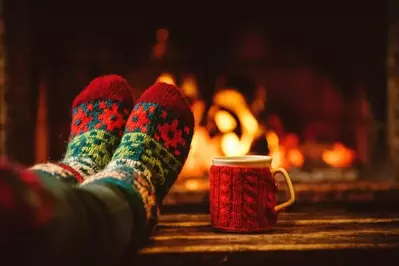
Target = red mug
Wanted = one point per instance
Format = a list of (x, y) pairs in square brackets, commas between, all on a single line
[(243, 193)]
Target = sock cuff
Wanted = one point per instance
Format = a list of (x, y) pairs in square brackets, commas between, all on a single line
[(76, 174), (55, 170), (139, 194)]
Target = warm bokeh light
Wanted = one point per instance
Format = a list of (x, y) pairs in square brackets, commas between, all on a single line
[(166, 78)]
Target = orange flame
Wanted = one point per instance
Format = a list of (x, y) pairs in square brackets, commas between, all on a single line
[(231, 144), (338, 156), (166, 78), (284, 148)]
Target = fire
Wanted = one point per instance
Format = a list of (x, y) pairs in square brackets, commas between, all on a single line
[(166, 78), (231, 144), (192, 184), (189, 87), (229, 111), (338, 156), (203, 146), (276, 152), (225, 121), (287, 154)]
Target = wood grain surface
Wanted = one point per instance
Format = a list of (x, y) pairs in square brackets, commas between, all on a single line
[(328, 238)]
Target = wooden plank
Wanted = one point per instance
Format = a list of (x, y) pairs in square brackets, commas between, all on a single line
[(298, 237), (300, 231)]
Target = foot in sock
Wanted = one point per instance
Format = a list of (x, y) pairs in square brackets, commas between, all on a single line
[(151, 154), (99, 115)]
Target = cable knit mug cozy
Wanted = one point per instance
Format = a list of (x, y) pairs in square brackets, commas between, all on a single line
[(243, 193)]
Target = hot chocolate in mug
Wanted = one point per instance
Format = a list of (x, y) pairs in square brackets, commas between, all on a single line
[(243, 193)]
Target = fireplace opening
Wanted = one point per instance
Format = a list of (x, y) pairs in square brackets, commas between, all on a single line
[(320, 126), (323, 139), (311, 90), (299, 117)]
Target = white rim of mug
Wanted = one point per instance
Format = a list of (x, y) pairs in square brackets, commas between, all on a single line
[(245, 161)]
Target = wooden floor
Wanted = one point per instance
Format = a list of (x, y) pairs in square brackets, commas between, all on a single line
[(327, 238)]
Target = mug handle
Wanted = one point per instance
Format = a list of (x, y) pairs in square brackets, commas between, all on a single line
[(287, 178)]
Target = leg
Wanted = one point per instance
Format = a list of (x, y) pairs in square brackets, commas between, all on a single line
[(51, 223)]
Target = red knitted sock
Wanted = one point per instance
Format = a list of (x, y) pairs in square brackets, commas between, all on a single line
[(99, 116)]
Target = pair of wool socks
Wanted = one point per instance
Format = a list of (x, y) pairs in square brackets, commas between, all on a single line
[(138, 149), (151, 154)]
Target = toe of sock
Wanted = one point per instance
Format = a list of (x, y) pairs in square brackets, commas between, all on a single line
[(171, 98), (110, 87)]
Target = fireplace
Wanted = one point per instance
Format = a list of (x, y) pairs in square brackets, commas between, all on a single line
[(331, 143)]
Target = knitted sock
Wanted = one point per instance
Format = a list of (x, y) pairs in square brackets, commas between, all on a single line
[(152, 152), (99, 115)]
